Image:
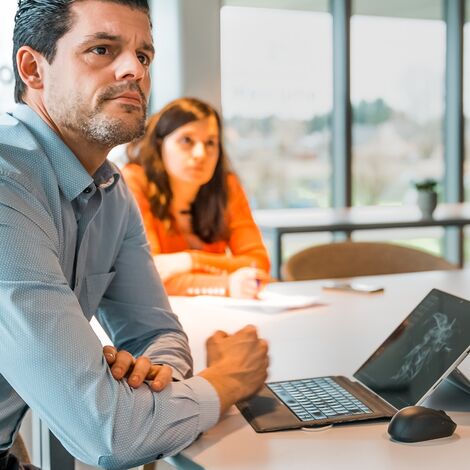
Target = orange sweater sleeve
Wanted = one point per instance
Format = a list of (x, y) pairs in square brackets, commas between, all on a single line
[(197, 284), (137, 182), (245, 241), (209, 275)]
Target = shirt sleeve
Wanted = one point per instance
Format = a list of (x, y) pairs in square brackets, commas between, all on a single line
[(245, 240), (53, 360), (135, 311), (210, 270), (198, 284), (209, 273)]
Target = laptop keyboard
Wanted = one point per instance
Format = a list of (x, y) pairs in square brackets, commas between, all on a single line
[(317, 398)]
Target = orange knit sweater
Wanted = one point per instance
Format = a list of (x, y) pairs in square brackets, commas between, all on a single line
[(214, 261)]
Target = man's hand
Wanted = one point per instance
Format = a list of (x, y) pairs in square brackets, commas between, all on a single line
[(123, 364), (237, 365)]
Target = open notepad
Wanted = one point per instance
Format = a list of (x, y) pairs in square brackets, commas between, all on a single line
[(268, 302)]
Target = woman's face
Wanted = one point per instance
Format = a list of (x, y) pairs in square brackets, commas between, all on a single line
[(190, 153)]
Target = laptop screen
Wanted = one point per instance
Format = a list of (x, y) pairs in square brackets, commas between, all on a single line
[(430, 341)]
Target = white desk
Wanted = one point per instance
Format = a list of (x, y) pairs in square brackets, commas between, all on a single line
[(331, 339)]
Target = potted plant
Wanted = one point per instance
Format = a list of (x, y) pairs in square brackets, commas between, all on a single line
[(427, 196)]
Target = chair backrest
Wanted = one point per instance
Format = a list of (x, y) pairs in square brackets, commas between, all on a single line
[(349, 259), (153, 466), (19, 450)]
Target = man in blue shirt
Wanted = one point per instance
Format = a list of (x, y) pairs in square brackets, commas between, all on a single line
[(72, 245)]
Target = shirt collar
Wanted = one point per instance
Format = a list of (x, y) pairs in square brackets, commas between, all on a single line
[(106, 176), (70, 173)]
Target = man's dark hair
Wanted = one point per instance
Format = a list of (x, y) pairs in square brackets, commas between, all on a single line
[(39, 24)]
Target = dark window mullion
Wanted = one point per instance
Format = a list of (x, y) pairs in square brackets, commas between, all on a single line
[(341, 115), (454, 12)]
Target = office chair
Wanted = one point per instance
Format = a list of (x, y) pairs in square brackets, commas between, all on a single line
[(158, 465), (349, 259), (19, 450)]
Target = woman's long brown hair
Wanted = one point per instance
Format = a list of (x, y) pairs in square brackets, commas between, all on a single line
[(208, 209)]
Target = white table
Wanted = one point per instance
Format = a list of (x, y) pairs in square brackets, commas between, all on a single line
[(331, 339)]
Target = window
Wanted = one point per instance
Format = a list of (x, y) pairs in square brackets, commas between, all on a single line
[(466, 110), (466, 101), (397, 94), (276, 101), (7, 81)]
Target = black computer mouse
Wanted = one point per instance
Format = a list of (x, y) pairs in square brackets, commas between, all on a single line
[(418, 423)]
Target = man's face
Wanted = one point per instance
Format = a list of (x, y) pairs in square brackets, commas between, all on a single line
[(99, 81)]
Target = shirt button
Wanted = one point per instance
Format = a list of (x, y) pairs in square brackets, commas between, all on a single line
[(87, 190)]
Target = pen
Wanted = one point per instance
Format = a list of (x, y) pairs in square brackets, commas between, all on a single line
[(257, 279)]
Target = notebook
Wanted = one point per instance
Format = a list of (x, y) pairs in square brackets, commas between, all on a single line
[(406, 368), (267, 302)]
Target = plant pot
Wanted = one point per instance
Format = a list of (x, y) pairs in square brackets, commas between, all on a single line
[(427, 202)]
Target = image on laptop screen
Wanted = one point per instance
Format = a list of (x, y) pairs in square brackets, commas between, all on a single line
[(423, 348)]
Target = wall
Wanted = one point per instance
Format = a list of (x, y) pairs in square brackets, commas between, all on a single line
[(187, 41)]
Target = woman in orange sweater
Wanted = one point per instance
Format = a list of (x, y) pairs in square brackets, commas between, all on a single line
[(196, 215)]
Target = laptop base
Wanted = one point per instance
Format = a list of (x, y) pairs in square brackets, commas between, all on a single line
[(265, 412)]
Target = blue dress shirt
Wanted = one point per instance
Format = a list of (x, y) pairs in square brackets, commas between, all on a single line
[(73, 246)]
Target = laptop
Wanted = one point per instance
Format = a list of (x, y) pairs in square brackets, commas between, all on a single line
[(406, 368)]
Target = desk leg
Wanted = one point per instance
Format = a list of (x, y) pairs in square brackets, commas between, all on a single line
[(342, 236), (275, 251), (273, 237), (277, 258), (48, 452), (453, 245)]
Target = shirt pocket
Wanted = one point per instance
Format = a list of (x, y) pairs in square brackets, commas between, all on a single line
[(96, 285)]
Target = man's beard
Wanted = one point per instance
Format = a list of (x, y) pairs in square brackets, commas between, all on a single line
[(99, 128)]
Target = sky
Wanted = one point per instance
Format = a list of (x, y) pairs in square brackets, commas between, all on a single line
[(401, 61), (275, 62), (281, 63)]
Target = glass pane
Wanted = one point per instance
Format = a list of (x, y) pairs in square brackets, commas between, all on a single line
[(276, 101), (7, 13), (466, 99), (422, 238), (397, 93)]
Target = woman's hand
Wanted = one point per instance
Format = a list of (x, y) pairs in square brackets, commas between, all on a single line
[(123, 364), (247, 282), (168, 265)]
